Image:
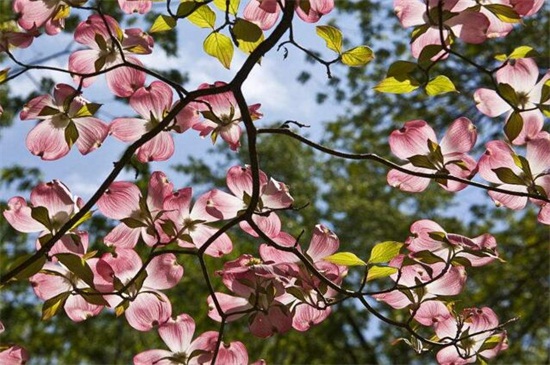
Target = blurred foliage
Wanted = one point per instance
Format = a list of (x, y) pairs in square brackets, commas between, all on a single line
[(351, 197)]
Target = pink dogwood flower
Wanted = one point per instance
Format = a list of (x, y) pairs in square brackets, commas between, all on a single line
[(468, 25), (478, 334), (417, 142), (437, 280), (51, 206), (153, 103), (177, 334), (273, 195), (11, 36), (258, 291), (430, 236), (521, 76), (135, 6), (49, 14), (14, 355), (56, 280), (140, 216), (222, 116), (266, 12), (189, 226), (498, 27), (145, 306), (65, 119), (108, 43), (530, 174)]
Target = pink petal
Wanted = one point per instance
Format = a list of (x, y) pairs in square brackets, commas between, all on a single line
[(276, 320), (323, 243), (538, 155), (221, 206), (122, 236), (91, 134), (228, 304), (148, 310), (135, 6), (221, 245), (164, 272), (428, 38), (262, 18), (521, 75), (412, 139), (498, 154), (409, 13), (82, 63), (510, 201), (460, 137), (233, 354), (78, 309), (124, 81), (120, 201), (159, 189), (128, 129), (469, 26), (306, 316), (47, 286), (159, 148), (102, 25), (188, 117), (32, 109), (56, 197), (19, 216), (276, 196), (533, 122), (544, 214), (270, 225), (152, 100), (157, 357), (178, 333), (432, 312), (406, 182), (232, 135), (47, 141), (490, 103)]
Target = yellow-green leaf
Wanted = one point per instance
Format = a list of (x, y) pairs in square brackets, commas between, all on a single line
[(203, 17), (332, 36), (505, 13), (4, 74), (162, 24), (345, 259), (77, 266), (248, 34), (440, 85), (377, 272), (233, 5), (219, 46), (87, 110), (53, 305), (63, 11), (518, 52), (384, 251), (358, 56), (401, 68), (83, 219), (395, 85)]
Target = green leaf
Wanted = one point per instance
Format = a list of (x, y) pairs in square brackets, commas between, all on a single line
[(427, 257), (98, 64), (523, 52), (401, 68), (47, 111), (53, 305), (83, 219), (358, 56), (345, 259), (248, 34), (422, 161), (219, 46), (377, 272), (4, 74), (71, 134), (92, 296), (203, 17), (505, 13), (133, 222), (393, 85), (185, 8), (513, 126), (162, 24), (41, 215), (78, 266), (507, 176), (30, 270), (332, 37), (440, 85), (427, 54), (100, 41), (87, 110), (119, 309), (233, 5), (508, 93), (384, 251)]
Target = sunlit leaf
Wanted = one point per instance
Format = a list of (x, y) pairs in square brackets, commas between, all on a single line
[(53, 305), (77, 266), (203, 17), (345, 259), (87, 110), (384, 251), (377, 272), (395, 85), (71, 134), (219, 46), (358, 56), (440, 85), (513, 126), (505, 13), (233, 5), (162, 24), (248, 34), (332, 36)]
